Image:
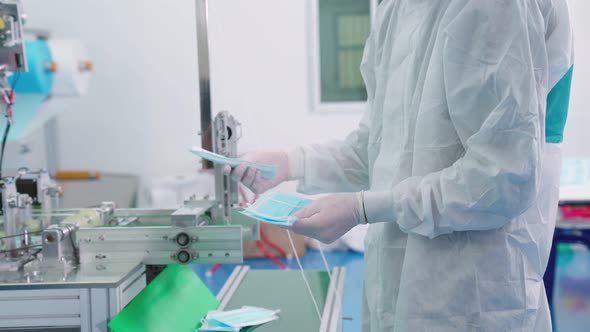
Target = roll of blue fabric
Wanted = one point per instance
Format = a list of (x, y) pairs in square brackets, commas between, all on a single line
[(39, 79)]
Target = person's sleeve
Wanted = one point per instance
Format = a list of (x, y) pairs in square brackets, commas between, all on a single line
[(340, 165), (495, 82), (560, 41), (560, 50)]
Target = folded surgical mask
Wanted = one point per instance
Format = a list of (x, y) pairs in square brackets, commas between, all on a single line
[(276, 208), (207, 327), (268, 171), (236, 320)]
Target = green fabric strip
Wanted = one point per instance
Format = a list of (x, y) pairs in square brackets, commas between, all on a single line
[(557, 108)]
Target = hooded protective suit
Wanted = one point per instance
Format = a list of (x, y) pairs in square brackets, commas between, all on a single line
[(459, 149)]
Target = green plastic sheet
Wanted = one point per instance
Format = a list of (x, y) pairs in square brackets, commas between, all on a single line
[(175, 301)]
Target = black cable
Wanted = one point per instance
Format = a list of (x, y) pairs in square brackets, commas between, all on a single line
[(32, 257), (74, 248), (4, 139), (16, 78), (19, 249), (17, 235)]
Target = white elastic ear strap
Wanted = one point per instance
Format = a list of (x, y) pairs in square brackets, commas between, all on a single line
[(327, 266), (317, 308), (325, 260)]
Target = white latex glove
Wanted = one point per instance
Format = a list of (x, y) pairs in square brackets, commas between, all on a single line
[(328, 218), (253, 179)]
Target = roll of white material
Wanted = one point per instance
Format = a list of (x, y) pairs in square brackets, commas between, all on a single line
[(73, 68)]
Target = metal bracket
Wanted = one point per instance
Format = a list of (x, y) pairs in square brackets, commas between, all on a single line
[(17, 209), (226, 144), (192, 214), (161, 245), (12, 49), (59, 251)]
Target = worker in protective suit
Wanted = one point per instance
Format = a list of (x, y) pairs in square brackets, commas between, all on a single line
[(455, 164)]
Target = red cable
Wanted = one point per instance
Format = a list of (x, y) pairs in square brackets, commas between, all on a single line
[(268, 255), (8, 100), (11, 98), (214, 269), (271, 244)]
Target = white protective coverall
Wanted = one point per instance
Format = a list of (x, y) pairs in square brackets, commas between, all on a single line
[(459, 149)]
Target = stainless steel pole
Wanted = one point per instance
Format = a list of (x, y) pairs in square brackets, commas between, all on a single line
[(204, 77)]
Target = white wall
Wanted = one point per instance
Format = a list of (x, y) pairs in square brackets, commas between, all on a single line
[(141, 114), (142, 110)]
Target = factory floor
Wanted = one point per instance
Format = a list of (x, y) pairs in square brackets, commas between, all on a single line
[(572, 291)]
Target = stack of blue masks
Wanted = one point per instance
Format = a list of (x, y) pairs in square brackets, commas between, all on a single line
[(267, 171), (276, 208), (575, 172), (243, 319)]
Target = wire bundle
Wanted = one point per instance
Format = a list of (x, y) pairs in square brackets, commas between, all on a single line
[(8, 100)]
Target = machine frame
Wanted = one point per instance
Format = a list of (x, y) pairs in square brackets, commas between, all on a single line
[(91, 262)]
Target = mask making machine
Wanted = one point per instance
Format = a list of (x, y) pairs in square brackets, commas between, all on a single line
[(75, 269)]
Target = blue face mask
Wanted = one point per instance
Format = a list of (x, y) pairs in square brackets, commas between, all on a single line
[(217, 327), (239, 318), (276, 208), (267, 171)]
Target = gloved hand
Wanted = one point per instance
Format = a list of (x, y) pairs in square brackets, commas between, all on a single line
[(253, 179), (328, 218)]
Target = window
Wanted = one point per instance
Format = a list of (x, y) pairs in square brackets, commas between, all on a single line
[(339, 31)]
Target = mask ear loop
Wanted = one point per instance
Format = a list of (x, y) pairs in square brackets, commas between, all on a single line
[(327, 267), (317, 308)]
